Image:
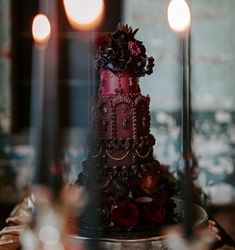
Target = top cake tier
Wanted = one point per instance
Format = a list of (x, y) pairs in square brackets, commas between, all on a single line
[(119, 83)]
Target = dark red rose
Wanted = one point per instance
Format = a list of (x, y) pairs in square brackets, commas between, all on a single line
[(135, 48), (126, 214), (164, 167), (103, 38), (148, 183), (154, 212)]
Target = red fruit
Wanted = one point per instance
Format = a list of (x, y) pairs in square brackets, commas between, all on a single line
[(149, 183)]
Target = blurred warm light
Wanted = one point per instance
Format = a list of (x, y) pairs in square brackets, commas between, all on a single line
[(179, 16), (41, 29), (49, 235), (84, 14)]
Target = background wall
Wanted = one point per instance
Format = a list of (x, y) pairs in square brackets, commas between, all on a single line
[(16, 154), (5, 64), (213, 87), (213, 52), (213, 95)]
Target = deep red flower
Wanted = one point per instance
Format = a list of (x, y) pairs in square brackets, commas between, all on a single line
[(126, 214), (103, 38), (154, 212), (164, 167), (135, 48), (149, 183)]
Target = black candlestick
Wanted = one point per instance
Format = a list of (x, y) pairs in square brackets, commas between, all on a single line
[(47, 172), (186, 136)]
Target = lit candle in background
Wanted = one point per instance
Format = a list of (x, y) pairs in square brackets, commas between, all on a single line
[(179, 16), (45, 133), (179, 19), (86, 16), (41, 31)]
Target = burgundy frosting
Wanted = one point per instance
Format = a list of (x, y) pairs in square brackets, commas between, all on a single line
[(121, 156), (122, 116), (117, 83)]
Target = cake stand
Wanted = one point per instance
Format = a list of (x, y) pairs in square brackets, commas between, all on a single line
[(146, 243)]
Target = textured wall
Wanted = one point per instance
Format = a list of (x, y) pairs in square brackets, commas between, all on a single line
[(213, 52), (150, 17), (6, 160), (213, 87), (5, 64)]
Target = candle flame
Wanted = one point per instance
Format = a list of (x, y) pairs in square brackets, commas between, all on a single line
[(179, 16), (84, 14), (41, 29)]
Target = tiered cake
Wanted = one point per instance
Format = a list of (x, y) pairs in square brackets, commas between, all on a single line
[(129, 190)]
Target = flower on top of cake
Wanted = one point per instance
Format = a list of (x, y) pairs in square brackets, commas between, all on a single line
[(120, 51)]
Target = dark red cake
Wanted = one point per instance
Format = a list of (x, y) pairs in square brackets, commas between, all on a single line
[(129, 190)]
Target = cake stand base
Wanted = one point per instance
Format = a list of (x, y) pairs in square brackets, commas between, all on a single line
[(147, 243), (153, 243)]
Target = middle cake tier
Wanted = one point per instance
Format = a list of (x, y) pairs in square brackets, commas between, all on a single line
[(121, 116)]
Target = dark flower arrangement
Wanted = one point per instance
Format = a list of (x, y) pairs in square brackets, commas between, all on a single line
[(145, 205), (148, 203), (120, 51), (126, 213)]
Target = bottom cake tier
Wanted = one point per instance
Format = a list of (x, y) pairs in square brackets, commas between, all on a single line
[(141, 240), (134, 198)]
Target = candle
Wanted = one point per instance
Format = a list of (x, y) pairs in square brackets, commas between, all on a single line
[(41, 31), (87, 16), (179, 16), (179, 19), (84, 15), (44, 112)]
